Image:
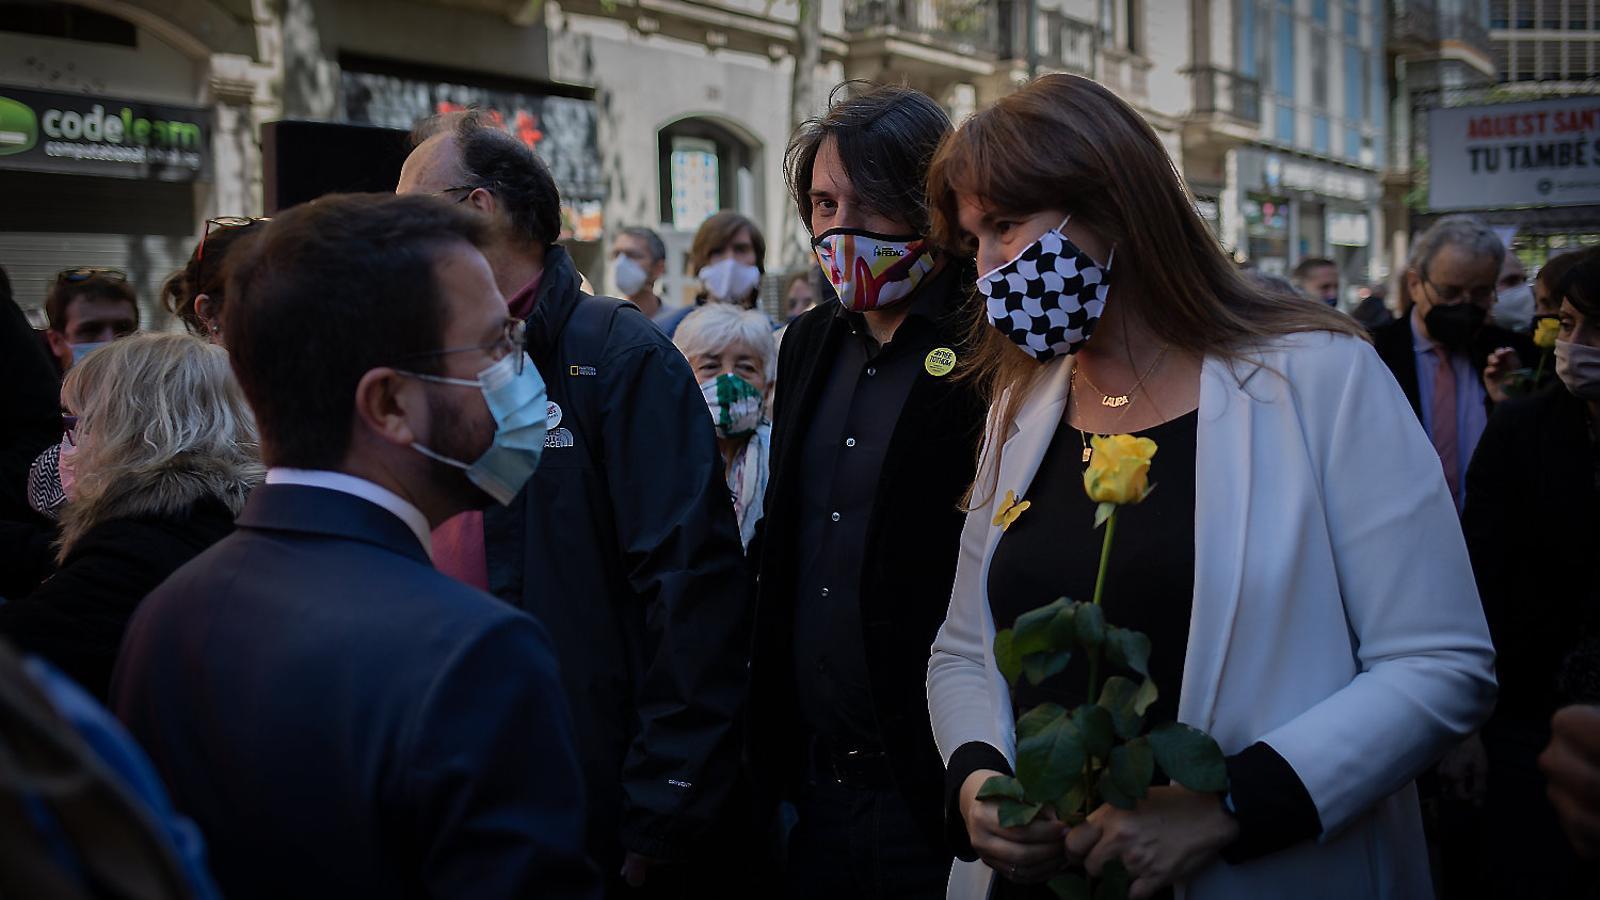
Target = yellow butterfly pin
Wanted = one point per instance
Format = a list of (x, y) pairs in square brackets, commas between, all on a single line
[(1010, 510)]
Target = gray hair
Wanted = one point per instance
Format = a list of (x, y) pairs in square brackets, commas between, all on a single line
[(716, 326), (652, 241), (1467, 232), (162, 424)]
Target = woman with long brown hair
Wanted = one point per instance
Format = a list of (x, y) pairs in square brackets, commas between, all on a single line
[(1299, 568)]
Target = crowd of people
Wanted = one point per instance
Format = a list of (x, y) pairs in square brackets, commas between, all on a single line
[(414, 569)]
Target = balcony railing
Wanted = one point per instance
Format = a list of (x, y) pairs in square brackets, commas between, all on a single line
[(966, 24), (1226, 92)]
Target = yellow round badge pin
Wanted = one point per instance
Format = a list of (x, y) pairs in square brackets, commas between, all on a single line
[(941, 361)]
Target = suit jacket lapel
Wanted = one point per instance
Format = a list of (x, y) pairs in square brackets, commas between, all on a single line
[(1026, 444), (1222, 513)]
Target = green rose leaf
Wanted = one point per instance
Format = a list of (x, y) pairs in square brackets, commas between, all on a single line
[(1118, 698), (1001, 787), (1147, 695), (1091, 626), (1110, 793), (1039, 666), (1094, 723), (1006, 658), (1034, 720), (1190, 757), (1115, 882), (1063, 628), (1070, 886), (1050, 758), (1132, 766), (1129, 650), (1072, 802), (1032, 631), (1015, 814)]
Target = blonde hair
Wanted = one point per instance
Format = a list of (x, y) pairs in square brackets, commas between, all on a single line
[(715, 326), (161, 424)]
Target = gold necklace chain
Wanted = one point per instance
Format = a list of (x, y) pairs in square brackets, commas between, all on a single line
[(1120, 400), (1107, 400)]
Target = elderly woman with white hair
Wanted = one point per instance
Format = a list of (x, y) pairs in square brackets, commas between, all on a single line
[(166, 454), (735, 358)]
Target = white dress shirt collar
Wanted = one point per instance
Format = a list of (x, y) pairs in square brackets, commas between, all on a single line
[(359, 487)]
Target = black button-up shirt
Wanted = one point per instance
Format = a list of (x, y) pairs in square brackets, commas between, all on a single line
[(844, 451)]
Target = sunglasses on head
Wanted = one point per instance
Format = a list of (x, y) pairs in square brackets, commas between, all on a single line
[(84, 273), (224, 222)]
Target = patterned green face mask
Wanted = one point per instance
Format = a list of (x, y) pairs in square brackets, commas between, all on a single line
[(735, 405)]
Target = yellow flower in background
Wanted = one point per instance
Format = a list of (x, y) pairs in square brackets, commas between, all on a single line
[(1009, 510), (1119, 470), (1544, 336)]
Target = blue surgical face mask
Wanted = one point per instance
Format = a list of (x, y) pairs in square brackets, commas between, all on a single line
[(518, 404), (79, 351)]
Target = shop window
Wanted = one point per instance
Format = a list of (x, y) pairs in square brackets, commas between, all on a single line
[(704, 167), (1499, 13), (64, 20)]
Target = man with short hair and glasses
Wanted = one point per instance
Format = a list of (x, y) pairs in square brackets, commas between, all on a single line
[(1451, 361), (624, 543), (340, 718), (87, 308)]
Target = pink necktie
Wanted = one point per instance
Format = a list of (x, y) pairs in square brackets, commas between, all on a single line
[(1444, 420)]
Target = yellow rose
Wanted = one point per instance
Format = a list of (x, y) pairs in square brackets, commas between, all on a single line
[(1119, 470), (1544, 336)]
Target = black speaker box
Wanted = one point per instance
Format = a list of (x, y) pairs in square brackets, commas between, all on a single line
[(304, 160)]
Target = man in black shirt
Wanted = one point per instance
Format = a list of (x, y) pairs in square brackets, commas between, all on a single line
[(873, 446)]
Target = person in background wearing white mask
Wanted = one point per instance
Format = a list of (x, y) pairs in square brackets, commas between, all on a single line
[(728, 258), (734, 357), (1513, 308), (1532, 523), (88, 308), (638, 261)]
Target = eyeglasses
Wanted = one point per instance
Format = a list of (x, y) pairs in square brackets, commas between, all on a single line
[(513, 340), (1451, 294), (84, 273)]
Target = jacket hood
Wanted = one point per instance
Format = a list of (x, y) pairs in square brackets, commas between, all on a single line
[(170, 488)]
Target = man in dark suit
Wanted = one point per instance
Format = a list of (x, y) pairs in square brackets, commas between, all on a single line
[(341, 719), (1451, 363), (874, 443)]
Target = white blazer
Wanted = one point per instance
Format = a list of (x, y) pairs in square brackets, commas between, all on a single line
[(1335, 614)]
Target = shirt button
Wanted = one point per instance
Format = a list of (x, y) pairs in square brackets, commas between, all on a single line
[(824, 592), (849, 442), (836, 517), (871, 371)]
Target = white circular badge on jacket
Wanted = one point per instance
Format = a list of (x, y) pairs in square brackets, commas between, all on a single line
[(552, 414)]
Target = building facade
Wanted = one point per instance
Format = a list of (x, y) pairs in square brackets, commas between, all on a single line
[(659, 112)]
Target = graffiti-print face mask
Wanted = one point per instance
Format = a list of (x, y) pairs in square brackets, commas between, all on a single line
[(869, 270), (1049, 297)]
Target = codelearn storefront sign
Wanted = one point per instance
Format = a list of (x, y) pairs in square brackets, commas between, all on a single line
[(85, 134), (1542, 153)]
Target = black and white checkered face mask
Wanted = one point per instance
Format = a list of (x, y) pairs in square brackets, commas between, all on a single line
[(1048, 298)]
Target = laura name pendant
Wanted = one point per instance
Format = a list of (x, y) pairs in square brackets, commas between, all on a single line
[(1116, 402)]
